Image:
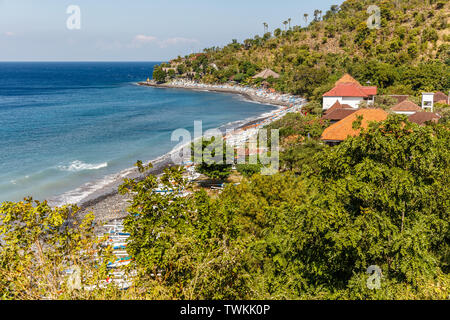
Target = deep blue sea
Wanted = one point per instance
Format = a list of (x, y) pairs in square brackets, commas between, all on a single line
[(63, 125)]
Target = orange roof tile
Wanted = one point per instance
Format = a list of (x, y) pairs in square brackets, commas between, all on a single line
[(337, 105), (407, 106), (344, 128), (370, 91), (338, 114), (440, 96), (422, 117), (346, 78), (346, 90)]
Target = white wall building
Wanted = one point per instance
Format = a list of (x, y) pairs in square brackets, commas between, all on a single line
[(351, 101), (428, 100), (406, 107), (349, 91)]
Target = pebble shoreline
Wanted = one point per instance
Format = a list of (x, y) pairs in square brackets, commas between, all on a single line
[(108, 206)]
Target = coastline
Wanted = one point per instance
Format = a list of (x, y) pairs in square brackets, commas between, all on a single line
[(108, 204), (214, 88)]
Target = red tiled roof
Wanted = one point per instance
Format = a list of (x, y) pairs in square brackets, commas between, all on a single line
[(338, 114), (422, 117), (371, 91), (346, 90), (344, 128), (351, 90), (337, 105), (440, 96), (407, 106), (347, 86)]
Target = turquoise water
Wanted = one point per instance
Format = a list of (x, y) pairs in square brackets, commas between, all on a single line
[(63, 125)]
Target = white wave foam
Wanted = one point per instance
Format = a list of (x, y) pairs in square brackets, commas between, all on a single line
[(81, 166), (81, 193)]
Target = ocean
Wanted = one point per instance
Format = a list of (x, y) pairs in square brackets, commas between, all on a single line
[(67, 125)]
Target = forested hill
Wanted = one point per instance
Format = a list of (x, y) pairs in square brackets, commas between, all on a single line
[(408, 54)]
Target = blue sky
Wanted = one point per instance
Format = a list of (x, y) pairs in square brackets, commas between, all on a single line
[(137, 30)]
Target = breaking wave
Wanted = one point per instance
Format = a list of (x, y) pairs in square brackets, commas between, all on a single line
[(77, 165)]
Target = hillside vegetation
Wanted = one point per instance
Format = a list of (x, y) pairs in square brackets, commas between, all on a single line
[(309, 232), (314, 230), (408, 54)]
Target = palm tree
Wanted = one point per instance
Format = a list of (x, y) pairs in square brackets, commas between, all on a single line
[(316, 14), (266, 26), (289, 21), (305, 16), (320, 14), (285, 25)]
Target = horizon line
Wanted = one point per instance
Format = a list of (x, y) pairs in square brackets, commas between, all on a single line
[(15, 61)]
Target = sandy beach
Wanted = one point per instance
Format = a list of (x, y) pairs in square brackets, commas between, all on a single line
[(107, 204)]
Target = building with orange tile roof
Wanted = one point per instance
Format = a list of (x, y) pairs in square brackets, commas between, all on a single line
[(349, 91), (440, 97), (423, 117), (339, 131), (346, 78), (346, 90), (337, 106), (338, 112), (406, 107)]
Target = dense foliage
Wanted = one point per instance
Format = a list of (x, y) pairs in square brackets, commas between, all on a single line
[(159, 75), (381, 198), (408, 54), (211, 164), (378, 199), (309, 232), (38, 243)]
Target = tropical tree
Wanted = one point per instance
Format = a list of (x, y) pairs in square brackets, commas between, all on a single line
[(277, 32), (334, 9), (377, 199), (159, 75), (40, 243), (213, 165), (305, 17), (381, 186), (183, 247), (316, 15)]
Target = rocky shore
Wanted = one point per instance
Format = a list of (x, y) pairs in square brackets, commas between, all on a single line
[(253, 94)]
